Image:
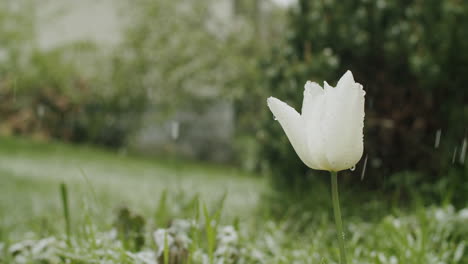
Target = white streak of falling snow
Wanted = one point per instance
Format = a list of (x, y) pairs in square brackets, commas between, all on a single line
[(454, 155), (463, 152), (437, 138), (175, 125), (364, 167)]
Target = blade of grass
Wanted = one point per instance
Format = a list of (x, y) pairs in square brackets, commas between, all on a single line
[(161, 213), (166, 249), (66, 211), (195, 231), (210, 234)]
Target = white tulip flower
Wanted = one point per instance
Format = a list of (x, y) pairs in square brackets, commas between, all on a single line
[(328, 135)]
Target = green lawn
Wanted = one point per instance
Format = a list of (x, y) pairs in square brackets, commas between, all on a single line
[(30, 174), (170, 197)]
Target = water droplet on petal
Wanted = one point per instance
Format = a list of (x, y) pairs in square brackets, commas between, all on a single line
[(274, 118), (352, 168)]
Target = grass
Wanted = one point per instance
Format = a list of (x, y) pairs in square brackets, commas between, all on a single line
[(128, 209), (31, 172)]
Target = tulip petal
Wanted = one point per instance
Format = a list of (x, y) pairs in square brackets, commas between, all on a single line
[(312, 113), (311, 91), (291, 122), (343, 123), (346, 80), (326, 86)]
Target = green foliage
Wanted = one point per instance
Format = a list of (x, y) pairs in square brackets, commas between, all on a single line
[(130, 228), (73, 92), (185, 63), (16, 33), (52, 96), (409, 55), (425, 236)]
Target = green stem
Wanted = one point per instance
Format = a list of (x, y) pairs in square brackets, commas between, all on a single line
[(66, 211), (337, 212)]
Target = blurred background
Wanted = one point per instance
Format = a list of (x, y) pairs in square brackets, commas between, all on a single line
[(122, 117), (188, 80)]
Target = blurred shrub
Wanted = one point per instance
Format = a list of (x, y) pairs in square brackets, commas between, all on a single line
[(185, 54), (66, 92), (192, 57), (163, 65), (412, 58), (51, 98)]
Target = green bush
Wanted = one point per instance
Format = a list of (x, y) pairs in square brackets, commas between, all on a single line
[(184, 63), (51, 97), (73, 92), (411, 57)]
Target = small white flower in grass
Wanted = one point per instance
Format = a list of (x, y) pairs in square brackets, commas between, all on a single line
[(181, 226), (258, 255), (227, 245), (144, 257), (21, 247), (463, 214), (328, 134), (227, 235), (200, 257), (42, 245), (160, 237), (177, 241)]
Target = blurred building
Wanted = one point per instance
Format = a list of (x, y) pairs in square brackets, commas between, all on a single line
[(60, 22)]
